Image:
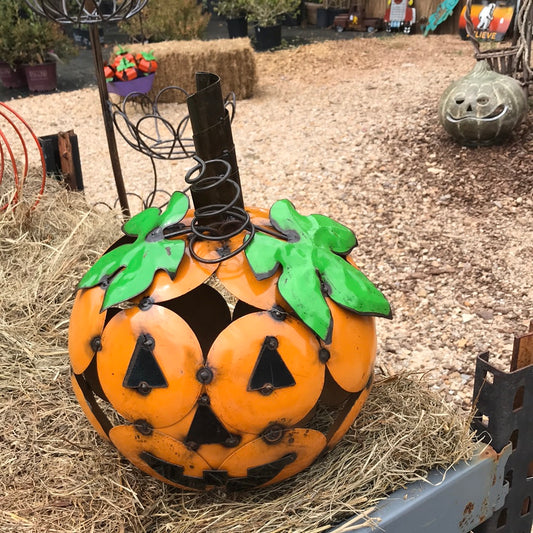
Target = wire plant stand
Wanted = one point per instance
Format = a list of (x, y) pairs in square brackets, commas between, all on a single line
[(514, 59), (93, 12), (156, 134)]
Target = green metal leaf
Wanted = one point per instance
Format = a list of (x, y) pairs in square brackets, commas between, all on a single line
[(312, 268), (130, 268)]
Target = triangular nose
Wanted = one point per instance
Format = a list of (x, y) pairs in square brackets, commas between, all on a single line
[(206, 428)]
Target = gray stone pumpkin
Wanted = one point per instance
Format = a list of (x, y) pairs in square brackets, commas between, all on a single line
[(483, 107)]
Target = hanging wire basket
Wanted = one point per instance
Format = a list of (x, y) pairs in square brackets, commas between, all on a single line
[(87, 11), (155, 132)]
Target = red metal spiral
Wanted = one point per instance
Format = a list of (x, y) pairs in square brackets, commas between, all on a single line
[(20, 170)]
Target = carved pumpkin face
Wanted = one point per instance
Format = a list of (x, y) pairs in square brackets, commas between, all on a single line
[(209, 391), (483, 107)]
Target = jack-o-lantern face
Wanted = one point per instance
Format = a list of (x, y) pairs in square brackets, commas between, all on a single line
[(483, 107), (237, 391)]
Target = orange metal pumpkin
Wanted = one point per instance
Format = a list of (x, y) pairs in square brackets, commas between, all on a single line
[(220, 374)]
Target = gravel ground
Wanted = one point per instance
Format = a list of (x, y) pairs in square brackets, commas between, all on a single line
[(349, 129)]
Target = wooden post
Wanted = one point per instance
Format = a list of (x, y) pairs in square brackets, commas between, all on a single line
[(70, 170)]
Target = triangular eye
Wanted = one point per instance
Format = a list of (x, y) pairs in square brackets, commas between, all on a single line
[(270, 372), (144, 373)]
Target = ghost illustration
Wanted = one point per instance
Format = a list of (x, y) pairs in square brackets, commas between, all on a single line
[(485, 17)]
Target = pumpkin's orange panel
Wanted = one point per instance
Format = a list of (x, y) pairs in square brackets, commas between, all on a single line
[(346, 419), (352, 349), (300, 446), (237, 276), (86, 408), (160, 456), (148, 364), (259, 216), (265, 372), (190, 274), (86, 324)]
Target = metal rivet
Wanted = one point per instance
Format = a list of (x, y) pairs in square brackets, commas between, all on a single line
[(204, 400), (144, 388), (273, 433), (278, 313), (193, 446), (267, 389), (204, 375), (149, 342), (145, 303), (232, 441), (324, 355), (96, 344), (143, 427), (272, 342)]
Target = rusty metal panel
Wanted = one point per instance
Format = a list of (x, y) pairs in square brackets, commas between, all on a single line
[(504, 414), (445, 502)]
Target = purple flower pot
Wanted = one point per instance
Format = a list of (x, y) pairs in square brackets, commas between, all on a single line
[(41, 77), (142, 85), (12, 79)]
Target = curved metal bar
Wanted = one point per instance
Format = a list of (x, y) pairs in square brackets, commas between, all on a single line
[(166, 141), (19, 180), (86, 11)]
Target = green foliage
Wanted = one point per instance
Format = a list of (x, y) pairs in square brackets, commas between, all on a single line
[(130, 268), (232, 9), (314, 266), (269, 12), (26, 37), (166, 20)]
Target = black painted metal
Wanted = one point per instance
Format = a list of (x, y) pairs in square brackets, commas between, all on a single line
[(87, 11), (108, 120), (213, 140), (144, 373), (504, 413), (270, 371)]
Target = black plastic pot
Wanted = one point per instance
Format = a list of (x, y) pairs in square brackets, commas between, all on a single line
[(267, 37), (321, 17), (237, 27)]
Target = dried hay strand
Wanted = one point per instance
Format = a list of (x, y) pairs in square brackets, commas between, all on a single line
[(57, 475), (233, 60)]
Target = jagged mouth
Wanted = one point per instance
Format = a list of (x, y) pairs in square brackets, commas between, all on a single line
[(495, 115)]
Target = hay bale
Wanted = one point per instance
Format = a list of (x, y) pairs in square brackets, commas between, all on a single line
[(231, 59), (58, 475)]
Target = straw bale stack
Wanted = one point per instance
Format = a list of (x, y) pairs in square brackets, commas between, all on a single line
[(231, 59)]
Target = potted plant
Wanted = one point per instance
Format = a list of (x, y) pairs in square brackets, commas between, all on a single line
[(162, 20), (235, 12), (267, 14), (33, 44), (11, 57)]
